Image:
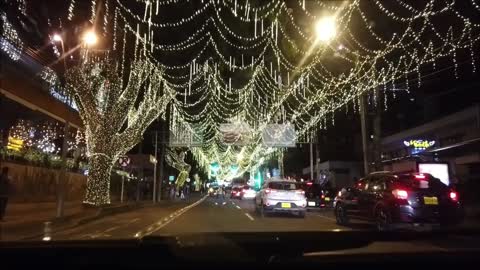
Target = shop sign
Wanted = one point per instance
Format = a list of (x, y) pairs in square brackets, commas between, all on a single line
[(419, 145)]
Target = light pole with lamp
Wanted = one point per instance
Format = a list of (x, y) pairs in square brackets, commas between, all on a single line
[(325, 30), (88, 39)]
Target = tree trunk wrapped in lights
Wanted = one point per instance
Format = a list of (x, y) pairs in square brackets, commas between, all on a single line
[(115, 114)]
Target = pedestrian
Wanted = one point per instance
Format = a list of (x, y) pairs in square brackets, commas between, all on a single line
[(172, 192), (4, 190)]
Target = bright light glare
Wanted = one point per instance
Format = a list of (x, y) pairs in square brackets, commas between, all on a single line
[(326, 29), (90, 38), (57, 38)]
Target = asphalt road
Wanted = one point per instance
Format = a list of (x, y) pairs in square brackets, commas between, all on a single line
[(205, 215), (226, 215)]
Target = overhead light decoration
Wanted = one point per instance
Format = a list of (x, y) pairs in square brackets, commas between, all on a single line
[(113, 121), (10, 41), (263, 82)]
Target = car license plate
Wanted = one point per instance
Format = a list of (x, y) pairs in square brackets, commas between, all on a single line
[(327, 199), (311, 203), (430, 200), (285, 205)]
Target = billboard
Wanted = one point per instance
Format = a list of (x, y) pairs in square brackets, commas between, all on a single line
[(184, 137), (238, 133), (279, 135), (438, 170)]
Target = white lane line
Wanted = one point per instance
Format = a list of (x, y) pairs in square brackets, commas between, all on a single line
[(322, 216), (156, 226), (250, 217), (111, 229), (238, 207)]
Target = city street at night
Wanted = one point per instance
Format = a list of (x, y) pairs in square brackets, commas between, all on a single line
[(318, 134)]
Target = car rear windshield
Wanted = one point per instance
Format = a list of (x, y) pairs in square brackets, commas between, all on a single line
[(283, 186), (409, 181)]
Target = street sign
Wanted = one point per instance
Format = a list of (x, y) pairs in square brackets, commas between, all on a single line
[(124, 161), (279, 135)]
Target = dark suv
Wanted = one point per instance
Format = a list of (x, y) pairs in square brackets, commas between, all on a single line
[(318, 196), (396, 201)]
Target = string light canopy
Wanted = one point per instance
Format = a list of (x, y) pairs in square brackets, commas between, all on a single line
[(291, 62), (295, 62)]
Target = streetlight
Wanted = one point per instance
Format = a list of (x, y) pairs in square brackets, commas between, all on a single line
[(90, 38), (326, 29), (57, 38)]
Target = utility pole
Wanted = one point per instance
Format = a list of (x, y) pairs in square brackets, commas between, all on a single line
[(311, 160), (317, 161), (377, 134), (155, 169), (63, 173), (163, 144), (363, 112)]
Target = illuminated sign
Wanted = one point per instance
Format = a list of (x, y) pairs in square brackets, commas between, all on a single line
[(419, 145), (14, 144)]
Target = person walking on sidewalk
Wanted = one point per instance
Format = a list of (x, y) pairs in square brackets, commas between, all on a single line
[(4, 190)]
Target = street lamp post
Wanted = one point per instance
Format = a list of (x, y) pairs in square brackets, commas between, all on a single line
[(63, 171)]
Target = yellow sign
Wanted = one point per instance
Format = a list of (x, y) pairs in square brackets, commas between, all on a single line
[(14, 144), (419, 144)]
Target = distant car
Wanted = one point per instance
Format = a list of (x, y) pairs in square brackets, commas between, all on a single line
[(236, 193), (396, 201), (213, 190), (318, 197), (247, 192), (281, 196)]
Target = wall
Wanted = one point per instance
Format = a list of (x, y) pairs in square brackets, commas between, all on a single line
[(37, 184)]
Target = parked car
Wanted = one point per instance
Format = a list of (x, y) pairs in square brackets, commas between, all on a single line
[(281, 196), (395, 201), (318, 197)]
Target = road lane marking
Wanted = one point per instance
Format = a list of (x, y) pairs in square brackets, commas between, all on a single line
[(238, 207), (322, 216), (156, 226), (250, 217)]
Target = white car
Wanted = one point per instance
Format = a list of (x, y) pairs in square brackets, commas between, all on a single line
[(281, 196), (248, 193)]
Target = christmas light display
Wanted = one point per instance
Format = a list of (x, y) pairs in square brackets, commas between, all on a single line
[(113, 119), (260, 62)]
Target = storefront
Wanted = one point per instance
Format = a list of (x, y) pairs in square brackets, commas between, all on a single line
[(453, 140)]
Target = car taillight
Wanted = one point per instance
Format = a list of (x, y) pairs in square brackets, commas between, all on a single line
[(300, 192), (309, 183), (323, 196), (453, 196), (400, 194), (270, 190)]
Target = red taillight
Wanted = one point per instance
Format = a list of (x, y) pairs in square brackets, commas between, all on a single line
[(323, 196), (453, 196), (270, 190), (400, 194), (300, 192), (309, 183)]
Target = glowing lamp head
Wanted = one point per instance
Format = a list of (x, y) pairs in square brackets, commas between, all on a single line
[(326, 29), (57, 38), (90, 38)]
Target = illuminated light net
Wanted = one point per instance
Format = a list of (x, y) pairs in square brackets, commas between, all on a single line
[(261, 63)]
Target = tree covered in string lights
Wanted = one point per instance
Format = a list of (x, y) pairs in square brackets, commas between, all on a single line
[(115, 113)]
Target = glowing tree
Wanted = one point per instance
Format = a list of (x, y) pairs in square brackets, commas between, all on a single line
[(115, 113)]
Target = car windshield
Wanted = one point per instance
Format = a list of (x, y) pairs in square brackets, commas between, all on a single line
[(283, 185), (157, 118)]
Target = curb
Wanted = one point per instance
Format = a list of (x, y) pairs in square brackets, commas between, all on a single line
[(100, 213)]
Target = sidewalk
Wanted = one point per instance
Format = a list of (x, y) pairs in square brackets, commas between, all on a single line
[(27, 220)]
